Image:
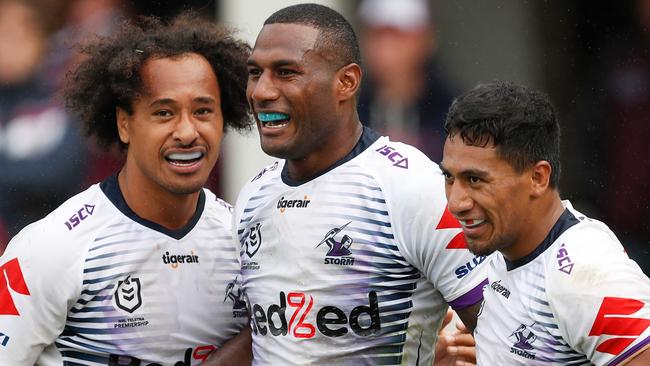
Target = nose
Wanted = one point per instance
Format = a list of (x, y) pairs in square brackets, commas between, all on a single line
[(263, 88), (458, 199), (185, 131)]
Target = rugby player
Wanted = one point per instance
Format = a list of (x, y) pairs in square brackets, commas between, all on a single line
[(562, 290), (349, 255), (134, 270)]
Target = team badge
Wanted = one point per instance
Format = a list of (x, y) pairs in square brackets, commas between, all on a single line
[(523, 338), (234, 293), (339, 247), (128, 295), (253, 240)]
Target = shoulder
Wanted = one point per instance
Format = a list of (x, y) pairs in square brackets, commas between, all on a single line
[(216, 208), (408, 177), (588, 258), (63, 236), (266, 176)]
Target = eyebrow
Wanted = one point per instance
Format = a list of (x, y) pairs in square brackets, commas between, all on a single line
[(275, 64), (205, 100), (467, 172), (167, 101)]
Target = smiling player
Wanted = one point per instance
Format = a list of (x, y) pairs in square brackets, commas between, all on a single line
[(349, 256), (133, 271), (562, 289)]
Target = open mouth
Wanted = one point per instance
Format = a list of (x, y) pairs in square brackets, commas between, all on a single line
[(184, 158), (273, 119), (471, 223)]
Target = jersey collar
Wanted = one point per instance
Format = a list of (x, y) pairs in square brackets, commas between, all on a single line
[(112, 190), (563, 223), (368, 137)]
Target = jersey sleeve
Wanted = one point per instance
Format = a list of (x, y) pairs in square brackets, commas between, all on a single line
[(38, 285), (429, 237), (599, 296)]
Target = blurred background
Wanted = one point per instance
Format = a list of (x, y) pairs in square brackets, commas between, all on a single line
[(592, 57)]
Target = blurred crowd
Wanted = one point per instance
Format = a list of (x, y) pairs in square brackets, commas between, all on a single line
[(44, 157)]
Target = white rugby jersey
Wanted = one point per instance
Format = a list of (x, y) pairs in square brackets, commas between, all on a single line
[(94, 284), (355, 266), (576, 300)]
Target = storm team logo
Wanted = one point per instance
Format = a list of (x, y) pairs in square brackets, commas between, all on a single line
[(523, 339), (128, 295), (234, 293), (339, 249)]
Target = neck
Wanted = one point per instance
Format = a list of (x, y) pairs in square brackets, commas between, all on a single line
[(154, 203), (338, 145), (542, 217)]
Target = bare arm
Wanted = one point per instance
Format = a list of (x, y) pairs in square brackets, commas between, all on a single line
[(641, 359), (236, 352), (469, 315)]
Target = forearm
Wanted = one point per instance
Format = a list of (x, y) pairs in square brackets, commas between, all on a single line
[(236, 352)]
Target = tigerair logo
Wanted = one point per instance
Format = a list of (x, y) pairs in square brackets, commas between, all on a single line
[(175, 259), (11, 277), (284, 204)]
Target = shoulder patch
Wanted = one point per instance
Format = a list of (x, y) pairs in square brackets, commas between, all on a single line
[(394, 156), (266, 169)]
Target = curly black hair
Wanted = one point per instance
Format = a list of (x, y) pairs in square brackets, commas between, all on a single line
[(110, 75)]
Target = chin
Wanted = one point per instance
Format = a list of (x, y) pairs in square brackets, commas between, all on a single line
[(185, 187), (480, 249), (280, 152)]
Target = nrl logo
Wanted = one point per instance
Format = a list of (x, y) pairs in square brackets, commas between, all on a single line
[(128, 295), (253, 240)]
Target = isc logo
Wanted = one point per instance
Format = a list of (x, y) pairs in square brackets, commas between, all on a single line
[(398, 159), (79, 216)]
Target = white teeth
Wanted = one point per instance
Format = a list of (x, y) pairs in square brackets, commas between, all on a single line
[(278, 124), (184, 156), (471, 223)]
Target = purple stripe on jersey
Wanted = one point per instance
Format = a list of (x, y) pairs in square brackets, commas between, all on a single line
[(630, 351), (470, 298)]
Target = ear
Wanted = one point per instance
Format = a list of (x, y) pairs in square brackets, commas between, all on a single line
[(540, 178), (122, 124), (348, 81)]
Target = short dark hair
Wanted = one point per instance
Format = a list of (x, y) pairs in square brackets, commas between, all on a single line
[(110, 75), (336, 38), (520, 122)]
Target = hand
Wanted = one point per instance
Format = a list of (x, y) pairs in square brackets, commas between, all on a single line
[(455, 348)]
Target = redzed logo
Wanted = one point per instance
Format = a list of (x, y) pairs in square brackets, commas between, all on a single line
[(448, 221), (331, 321), (612, 320), (13, 277)]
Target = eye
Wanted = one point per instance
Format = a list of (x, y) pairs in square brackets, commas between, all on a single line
[(253, 72), (286, 72), (203, 111), (474, 179), (448, 177), (163, 113)]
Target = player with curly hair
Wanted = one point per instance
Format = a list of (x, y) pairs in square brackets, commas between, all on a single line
[(133, 271)]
